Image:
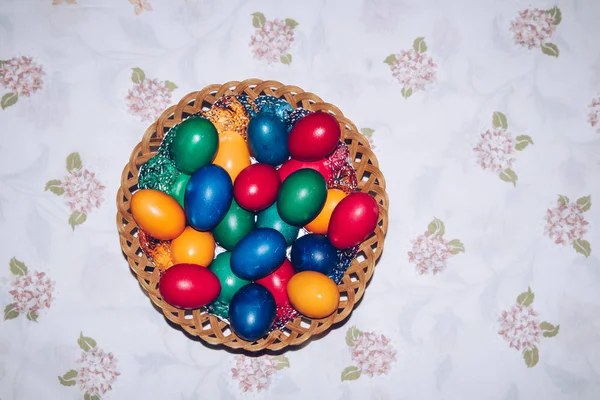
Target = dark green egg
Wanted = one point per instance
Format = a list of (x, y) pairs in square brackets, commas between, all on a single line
[(178, 189), (236, 224), (230, 283), (195, 144), (270, 218), (301, 197)]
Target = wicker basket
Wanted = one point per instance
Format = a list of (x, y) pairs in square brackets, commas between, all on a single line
[(208, 327)]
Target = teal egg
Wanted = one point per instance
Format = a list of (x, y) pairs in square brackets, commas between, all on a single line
[(270, 218)]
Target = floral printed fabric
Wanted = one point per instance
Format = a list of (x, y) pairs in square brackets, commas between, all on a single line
[(485, 120)]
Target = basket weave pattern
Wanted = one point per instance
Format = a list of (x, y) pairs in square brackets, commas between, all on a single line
[(208, 327)]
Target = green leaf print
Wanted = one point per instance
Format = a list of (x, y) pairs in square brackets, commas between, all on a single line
[(556, 15), (508, 175), (563, 200), (8, 100), (585, 202), (419, 45), (550, 49), (351, 373), (170, 85), (390, 59), (368, 132), (32, 316), (291, 23), (523, 141), (17, 267), (526, 298), (282, 362), (86, 343), (286, 59), (531, 357), (436, 227), (258, 20), (499, 120), (583, 247), (352, 335), (74, 162), (548, 329), (87, 396), (456, 246), (10, 312), (407, 93), (55, 187), (77, 218), (68, 379), (137, 76)]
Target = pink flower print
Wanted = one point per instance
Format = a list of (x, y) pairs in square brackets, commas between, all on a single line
[(32, 292), (532, 28), (413, 68), (256, 373), (594, 113), (97, 371), (141, 5), (519, 327), (495, 150), (272, 39), (21, 75), (430, 250), (83, 191), (148, 99), (565, 223), (373, 354)]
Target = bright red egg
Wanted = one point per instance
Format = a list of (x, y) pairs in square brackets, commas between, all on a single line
[(291, 165), (353, 220), (314, 137), (256, 187), (277, 281), (189, 286)]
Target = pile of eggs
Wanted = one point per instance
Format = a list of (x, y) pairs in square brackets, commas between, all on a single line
[(251, 224)]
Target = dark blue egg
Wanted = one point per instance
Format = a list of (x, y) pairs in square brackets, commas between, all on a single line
[(314, 253), (207, 197), (252, 312), (258, 254), (268, 139)]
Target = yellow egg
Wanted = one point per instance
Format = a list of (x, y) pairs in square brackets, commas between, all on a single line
[(233, 155), (313, 294), (320, 224), (158, 214), (193, 247)]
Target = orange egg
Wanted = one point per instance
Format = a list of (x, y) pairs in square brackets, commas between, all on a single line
[(158, 214), (313, 294), (233, 155), (321, 222), (193, 247)]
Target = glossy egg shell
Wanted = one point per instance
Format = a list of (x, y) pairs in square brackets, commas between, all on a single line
[(258, 254), (321, 222), (189, 286), (207, 197), (268, 139), (301, 197), (321, 166), (277, 281), (236, 224), (158, 214), (353, 220), (252, 312), (256, 187), (233, 154), (177, 191), (230, 282), (313, 294), (313, 253), (193, 247), (270, 218), (314, 137), (195, 144)]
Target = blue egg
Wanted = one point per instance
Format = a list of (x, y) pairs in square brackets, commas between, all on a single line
[(314, 253), (258, 254), (207, 197), (267, 139), (252, 312)]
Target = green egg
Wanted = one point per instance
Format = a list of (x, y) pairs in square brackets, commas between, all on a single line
[(301, 197), (195, 144), (236, 224), (178, 189), (270, 218), (230, 283)]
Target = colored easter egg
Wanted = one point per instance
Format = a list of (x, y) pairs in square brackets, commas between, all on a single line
[(207, 197), (353, 220), (256, 187), (236, 224), (276, 282), (230, 282), (321, 166), (157, 213), (233, 155), (258, 254), (301, 197), (314, 137), (252, 312), (268, 139), (177, 191), (313, 253), (321, 222), (313, 294), (270, 218), (193, 247), (195, 144), (189, 286)]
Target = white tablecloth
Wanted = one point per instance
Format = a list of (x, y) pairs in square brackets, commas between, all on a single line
[(484, 117)]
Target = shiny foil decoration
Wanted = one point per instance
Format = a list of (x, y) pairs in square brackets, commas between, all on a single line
[(157, 251), (298, 114), (229, 114), (279, 107), (248, 104), (344, 259), (219, 309), (343, 173), (284, 315), (158, 173)]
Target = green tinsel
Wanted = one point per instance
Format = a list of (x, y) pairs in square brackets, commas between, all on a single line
[(219, 309), (158, 173)]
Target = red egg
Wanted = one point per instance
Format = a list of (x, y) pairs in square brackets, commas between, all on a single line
[(256, 187), (291, 165), (277, 281), (189, 286), (353, 220), (314, 137)]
